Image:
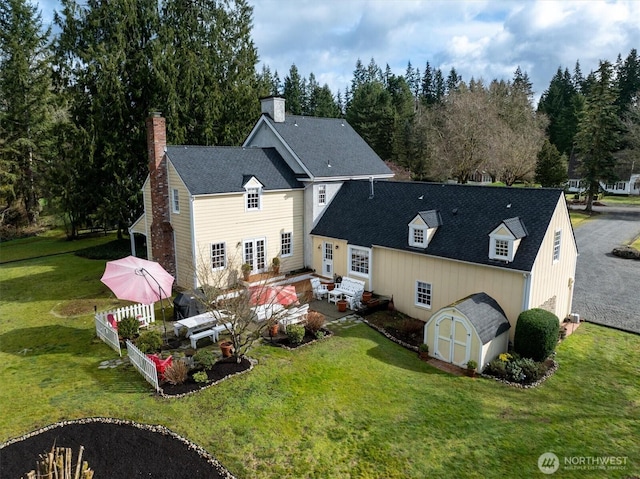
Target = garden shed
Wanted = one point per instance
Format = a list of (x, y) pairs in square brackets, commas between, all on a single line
[(473, 328)]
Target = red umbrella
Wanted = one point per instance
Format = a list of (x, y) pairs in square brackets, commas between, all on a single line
[(138, 280), (284, 295)]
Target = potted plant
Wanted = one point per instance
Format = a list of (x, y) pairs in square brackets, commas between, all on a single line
[(226, 347), (275, 265), (471, 368), (274, 327), (342, 305), (563, 332), (423, 351), (366, 296), (246, 271)]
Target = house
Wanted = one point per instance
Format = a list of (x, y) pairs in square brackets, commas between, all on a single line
[(464, 259), (624, 186), (431, 246), (252, 203)]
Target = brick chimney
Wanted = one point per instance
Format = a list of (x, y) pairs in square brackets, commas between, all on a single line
[(162, 244), (274, 107)]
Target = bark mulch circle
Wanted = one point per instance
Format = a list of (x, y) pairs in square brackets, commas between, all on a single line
[(114, 448)]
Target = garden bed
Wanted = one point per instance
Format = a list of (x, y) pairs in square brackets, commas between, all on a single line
[(309, 338)]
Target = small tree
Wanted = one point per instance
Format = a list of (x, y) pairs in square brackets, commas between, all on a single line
[(536, 334), (222, 290)]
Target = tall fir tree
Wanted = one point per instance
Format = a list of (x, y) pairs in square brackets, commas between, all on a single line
[(293, 93)]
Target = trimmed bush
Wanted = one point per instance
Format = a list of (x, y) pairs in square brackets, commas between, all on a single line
[(205, 358), (128, 327), (536, 334), (149, 341), (295, 333)]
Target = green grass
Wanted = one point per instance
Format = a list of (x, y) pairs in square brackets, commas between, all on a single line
[(355, 405), (578, 217), (621, 200)]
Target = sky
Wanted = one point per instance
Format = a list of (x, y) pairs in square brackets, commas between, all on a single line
[(480, 39)]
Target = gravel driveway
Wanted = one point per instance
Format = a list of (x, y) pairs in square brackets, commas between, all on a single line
[(607, 288)]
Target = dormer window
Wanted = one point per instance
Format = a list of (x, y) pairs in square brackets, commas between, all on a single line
[(422, 228), (253, 193), (505, 239)]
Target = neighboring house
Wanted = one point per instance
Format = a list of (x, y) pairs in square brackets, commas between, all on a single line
[(432, 245), (251, 203), (576, 184), (464, 259)]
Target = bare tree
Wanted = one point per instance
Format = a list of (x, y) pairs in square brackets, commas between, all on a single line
[(249, 309)]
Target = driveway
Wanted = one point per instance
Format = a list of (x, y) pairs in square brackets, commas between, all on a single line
[(607, 288)]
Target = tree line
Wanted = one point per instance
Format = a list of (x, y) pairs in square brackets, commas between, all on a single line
[(73, 105)]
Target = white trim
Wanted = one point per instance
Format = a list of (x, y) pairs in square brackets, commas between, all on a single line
[(287, 255), (419, 304), (175, 201), (412, 231), (369, 252), (557, 247), (225, 258)]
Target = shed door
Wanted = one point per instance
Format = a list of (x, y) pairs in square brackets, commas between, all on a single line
[(453, 340)]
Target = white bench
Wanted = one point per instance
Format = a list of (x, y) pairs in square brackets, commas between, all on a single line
[(350, 289), (294, 316), (212, 333)]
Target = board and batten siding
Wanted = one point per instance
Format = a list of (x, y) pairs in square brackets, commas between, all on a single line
[(396, 272), (552, 282), (224, 219), (181, 223)]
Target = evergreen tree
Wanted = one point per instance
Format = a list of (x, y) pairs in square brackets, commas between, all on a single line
[(25, 105), (597, 138), (551, 167), (427, 93), (294, 91), (628, 82), (453, 81)]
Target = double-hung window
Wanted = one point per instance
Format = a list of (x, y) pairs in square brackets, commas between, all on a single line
[(322, 195), (253, 198), (557, 241), (218, 256), (175, 201), (423, 294), (286, 247), (359, 259)]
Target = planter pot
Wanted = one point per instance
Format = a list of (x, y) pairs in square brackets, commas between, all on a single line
[(366, 296), (342, 305), (276, 270), (330, 286), (424, 356), (470, 372), (226, 348), (273, 329), (245, 276)]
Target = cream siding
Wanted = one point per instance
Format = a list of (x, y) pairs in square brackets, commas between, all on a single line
[(146, 198), (224, 219), (181, 223), (552, 283)]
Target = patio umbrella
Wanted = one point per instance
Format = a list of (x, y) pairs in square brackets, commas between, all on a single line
[(284, 295), (138, 280)]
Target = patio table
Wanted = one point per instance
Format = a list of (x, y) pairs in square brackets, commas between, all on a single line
[(199, 322)]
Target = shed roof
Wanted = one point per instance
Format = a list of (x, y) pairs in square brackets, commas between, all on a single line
[(485, 314), (218, 169)]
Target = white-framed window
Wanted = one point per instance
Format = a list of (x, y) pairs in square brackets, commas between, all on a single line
[(501, 248), (175, 201), (418, 236), (621, 185), (322, 195), (286, 244), (423, 294), (253, 199), (218, 256), (359, 261), (557, 241)]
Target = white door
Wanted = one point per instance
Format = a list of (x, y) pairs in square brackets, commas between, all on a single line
[(452, 340), (254, 254), (327, 259)]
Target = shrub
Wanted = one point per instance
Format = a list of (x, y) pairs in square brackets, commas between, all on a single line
[(314, 322), (149, 341), (200, 377), (295, 333), (514, 372), (128, 327), (319, 334), (531, 369), (472, 364), (205, 358), (497, 368), (423, 348), (536, 334), (176, 373)]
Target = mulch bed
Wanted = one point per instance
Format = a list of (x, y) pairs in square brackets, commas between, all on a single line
[(285, 342), (114, 448)]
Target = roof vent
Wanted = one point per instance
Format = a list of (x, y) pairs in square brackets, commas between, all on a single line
[(421, 197), (454, 211)]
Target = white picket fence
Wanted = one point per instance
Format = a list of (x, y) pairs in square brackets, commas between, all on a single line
[(107, 333), (143, 312), (143, 364)]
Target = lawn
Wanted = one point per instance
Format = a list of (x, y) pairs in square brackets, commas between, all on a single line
[(355, 405)]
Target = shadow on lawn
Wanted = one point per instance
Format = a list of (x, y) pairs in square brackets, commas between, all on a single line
[(389, 352), (53, 339)]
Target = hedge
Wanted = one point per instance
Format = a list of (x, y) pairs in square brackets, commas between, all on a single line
[(536, 334)]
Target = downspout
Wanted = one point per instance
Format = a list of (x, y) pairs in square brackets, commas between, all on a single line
[(133, 242), (194, 258), (526, 291)]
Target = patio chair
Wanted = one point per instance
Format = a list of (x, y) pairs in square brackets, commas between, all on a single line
[(319, 289), (112, 321), (161, 364)]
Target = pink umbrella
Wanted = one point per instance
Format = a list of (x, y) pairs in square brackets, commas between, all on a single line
[(284, 295), (138, 280)]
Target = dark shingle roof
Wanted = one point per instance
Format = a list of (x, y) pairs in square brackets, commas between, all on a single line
[(320, 142), (469, 214), (431, 218), (516, 227), (215, 169), (485, 314)]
